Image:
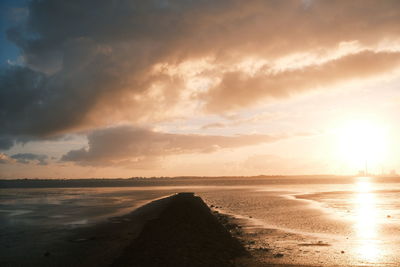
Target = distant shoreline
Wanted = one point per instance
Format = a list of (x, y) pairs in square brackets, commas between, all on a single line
[(182, 177), (178, 181)]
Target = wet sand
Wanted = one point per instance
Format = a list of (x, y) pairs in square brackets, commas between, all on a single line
[(93, 245), (174, 231), (180, 230), (277, 228)]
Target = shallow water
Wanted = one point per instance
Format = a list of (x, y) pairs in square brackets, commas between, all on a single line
[(357, 218), (359, 221), (69, 206)]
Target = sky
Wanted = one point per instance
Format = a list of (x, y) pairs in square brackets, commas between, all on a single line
[(124, 88)]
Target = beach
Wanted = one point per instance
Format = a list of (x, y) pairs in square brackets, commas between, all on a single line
[(200, 133), (319, 223), (179, 230)]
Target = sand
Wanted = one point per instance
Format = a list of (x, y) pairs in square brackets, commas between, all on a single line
[(276, 226), (179, 230)]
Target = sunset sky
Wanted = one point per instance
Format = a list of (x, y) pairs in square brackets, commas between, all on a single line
[(122, 88)]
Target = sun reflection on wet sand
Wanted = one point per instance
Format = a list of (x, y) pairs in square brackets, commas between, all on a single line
[(367, 224)]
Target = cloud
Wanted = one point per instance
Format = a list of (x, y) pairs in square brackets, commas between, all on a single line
[(126, 145), (18, 14), (275, 164), (238, 90), (236, 121), (6, 142), (89, 64), (214, 125), (4, 159), (27, 158)]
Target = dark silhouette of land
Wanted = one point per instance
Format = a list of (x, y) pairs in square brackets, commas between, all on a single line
[(185, 234), (182, 181)]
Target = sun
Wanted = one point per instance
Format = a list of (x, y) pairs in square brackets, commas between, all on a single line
[(362, 144)]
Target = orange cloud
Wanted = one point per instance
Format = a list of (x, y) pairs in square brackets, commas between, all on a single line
[(237, 90), (89, 64), (125, 145)]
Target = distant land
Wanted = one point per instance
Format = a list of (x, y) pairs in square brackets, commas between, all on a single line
[(177, 181)]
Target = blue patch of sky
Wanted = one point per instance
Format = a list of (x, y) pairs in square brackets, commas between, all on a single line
[(9, 52)]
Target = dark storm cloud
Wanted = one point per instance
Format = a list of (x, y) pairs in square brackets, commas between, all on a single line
[(91, 63), (26, 158), (6, 142), (125, 145)]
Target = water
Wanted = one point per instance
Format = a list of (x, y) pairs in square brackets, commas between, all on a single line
[(58, 207), (357, 218), (358, 221)]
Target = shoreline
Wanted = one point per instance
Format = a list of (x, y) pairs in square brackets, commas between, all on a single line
[(109, 243), (90, 245), (121, 240)]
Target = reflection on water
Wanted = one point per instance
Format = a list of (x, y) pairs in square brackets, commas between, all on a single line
[(65, 207), (367, 224)]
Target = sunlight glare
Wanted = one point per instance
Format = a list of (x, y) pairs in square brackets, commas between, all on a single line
[(362, 143), (366, 225)]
